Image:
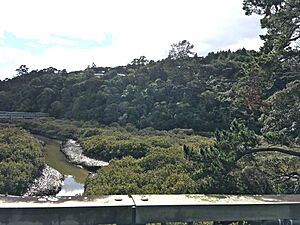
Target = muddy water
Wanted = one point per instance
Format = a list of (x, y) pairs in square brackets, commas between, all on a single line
[(74, 175)]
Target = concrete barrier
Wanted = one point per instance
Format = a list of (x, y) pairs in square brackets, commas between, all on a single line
[(142, 209)]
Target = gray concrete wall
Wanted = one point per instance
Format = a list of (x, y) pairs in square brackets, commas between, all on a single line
[(142, 209)]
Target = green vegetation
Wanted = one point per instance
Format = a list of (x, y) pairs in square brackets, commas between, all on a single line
[(21, 160), (161, 169), (141, 161), (240, 162), (115, 145), (152, 161), (145, 117), (168, 94), (278, 68)]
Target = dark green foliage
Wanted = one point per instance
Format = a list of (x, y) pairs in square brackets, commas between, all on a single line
[(108, 147), (119, 177), (21, 160), (277, 138), (219, 160), (132, 176), (200, 94), (279, 62), (51, 128), (281, 18), (22, 70), (268, 174), (234, 165), (181, 50), (172, 93), (228, 165), (161, 169), (283, 117)]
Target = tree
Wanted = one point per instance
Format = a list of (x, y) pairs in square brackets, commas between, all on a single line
[(142, 61), (281, 18), (217, 162), (45, 98), (278, 56), (56, 109), (285, 102), (22, 70), (181, 50), (6, 102)]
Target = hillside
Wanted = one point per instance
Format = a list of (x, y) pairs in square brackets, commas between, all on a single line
[(199, 93), (146, 118)]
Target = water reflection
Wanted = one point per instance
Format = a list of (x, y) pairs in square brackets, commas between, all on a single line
[(71, 187)]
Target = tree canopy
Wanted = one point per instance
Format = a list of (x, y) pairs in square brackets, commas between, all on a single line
[(281, 18), (21, 160), (258, 90)]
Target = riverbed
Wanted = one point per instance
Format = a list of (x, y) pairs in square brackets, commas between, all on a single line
[(74, 176)]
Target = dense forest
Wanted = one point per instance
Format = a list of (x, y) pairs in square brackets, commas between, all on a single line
[(146, 118), (203, 94), (171, 93)]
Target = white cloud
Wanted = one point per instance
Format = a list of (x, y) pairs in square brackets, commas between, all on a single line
[(11, 59), (247, 43), (57, 41), (138, 27)]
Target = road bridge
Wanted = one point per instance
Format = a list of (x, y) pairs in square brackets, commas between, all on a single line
[(22, 115)]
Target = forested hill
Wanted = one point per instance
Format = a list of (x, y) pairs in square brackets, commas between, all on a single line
[(251, 98), (166, 94), (202, 93)]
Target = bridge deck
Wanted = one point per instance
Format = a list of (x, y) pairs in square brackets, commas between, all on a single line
[(19, 115)]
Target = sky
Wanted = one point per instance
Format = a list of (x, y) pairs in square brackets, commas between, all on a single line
[(74, 34)]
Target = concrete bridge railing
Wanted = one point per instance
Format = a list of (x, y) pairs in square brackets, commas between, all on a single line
[(142, 209)]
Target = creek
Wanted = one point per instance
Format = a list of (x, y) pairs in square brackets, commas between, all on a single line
[(74, 176)]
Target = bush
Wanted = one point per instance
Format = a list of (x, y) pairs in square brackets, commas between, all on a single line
[(21, 160)]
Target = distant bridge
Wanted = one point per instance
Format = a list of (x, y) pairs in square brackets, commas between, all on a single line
[(143, 209), (22, 115)]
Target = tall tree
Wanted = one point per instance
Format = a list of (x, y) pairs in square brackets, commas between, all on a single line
[(217, 163), (279, 54), (22, 70), (281, 18), (181, 50)]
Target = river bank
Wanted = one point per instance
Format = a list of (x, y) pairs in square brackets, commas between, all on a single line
[(74, 153), (60, 176), (55, 158), (49, 183)]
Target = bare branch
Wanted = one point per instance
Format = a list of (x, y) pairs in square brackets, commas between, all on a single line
[(289, 151)]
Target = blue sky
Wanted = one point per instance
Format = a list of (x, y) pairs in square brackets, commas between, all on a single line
[(36, 47), (72, 34)]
